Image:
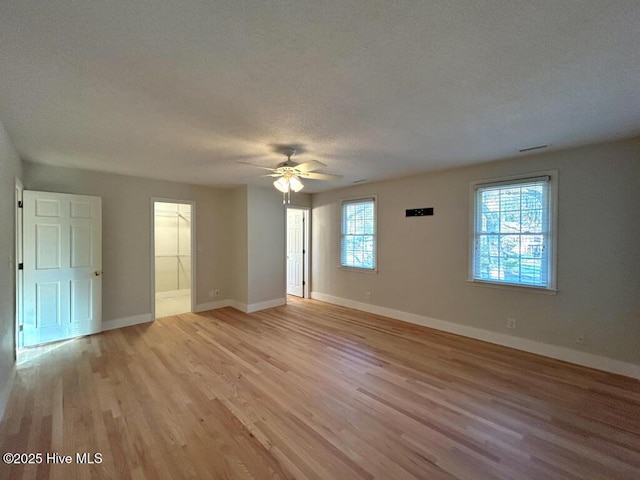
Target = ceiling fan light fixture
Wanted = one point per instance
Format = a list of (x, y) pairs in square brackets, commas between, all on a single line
[(291, 174), (295, 184), (282, 184)]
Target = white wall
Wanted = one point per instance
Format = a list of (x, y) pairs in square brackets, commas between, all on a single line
[(126, 203), (10, 170), (423, 261)]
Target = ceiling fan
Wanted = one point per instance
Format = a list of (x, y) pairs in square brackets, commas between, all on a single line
[(289, 174)]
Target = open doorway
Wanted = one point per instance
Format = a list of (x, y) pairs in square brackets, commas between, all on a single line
[(173, 229), (297, 257)]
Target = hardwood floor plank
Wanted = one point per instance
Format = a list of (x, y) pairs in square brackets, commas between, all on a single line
[(314, 391)]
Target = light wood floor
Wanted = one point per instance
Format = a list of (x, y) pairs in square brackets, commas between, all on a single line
[(316, 391)]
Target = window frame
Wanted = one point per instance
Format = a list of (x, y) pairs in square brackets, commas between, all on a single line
[(551, 288), (343, 202)]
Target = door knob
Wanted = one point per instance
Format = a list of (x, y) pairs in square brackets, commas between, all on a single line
[(97, 273)]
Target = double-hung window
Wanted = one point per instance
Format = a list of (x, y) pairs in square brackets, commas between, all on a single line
[(513, 241), (358, 239)]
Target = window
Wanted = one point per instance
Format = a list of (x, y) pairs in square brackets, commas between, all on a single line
[(512, 235), (358, 242)]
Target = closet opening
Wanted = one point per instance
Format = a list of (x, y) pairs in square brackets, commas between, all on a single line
[(172, 262)]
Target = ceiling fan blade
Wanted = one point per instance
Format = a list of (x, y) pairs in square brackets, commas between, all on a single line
[(309, 166), (320, 176), (257, 166), (271, 175)]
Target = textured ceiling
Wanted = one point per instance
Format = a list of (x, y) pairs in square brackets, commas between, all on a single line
[(183, 90)]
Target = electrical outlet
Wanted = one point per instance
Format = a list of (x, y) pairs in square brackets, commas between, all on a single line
[(217, 293), (580, 339), (511, 323), (368, 295)]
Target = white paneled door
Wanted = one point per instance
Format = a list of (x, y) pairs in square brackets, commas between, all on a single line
[(62, 266), (295, 247)]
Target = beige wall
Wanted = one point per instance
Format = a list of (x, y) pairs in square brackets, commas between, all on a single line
[(300, 199), (126, 237), (266, 248), (10, 170), (423, 261), (239, 231), (257, 228)]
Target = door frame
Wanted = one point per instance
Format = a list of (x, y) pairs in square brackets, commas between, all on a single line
[(18, 337), (306, 248), (152, 249)]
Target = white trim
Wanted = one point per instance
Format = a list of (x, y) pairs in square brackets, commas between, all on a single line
[(368, 271), (254, 307), (126, 321), (243, 307), (19, 274), (5, 391), (513, 286), (306, 288), (553, 351), (203, 307)]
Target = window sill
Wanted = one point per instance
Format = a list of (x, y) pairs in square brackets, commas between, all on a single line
[(368, 271), (514, 287)]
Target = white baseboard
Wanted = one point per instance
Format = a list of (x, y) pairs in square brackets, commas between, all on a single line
[(203, 307), (5, 391), (560, 353), (243, 307), (126, 321), (254, 307)]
